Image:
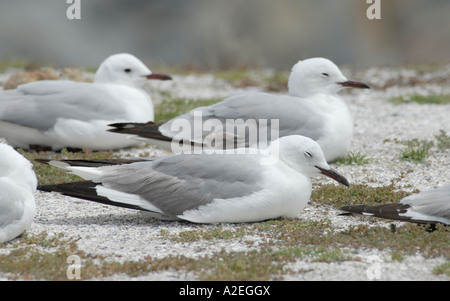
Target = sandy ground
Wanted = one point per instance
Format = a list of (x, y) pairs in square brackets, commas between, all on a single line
[(122, 234)]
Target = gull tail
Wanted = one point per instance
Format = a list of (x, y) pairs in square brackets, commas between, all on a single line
[(394, 211), (389, 211), (86, 190)]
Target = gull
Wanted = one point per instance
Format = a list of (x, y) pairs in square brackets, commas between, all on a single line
[(17, 186), (227, 187), (427, 207), (60, 113), (312, 108)]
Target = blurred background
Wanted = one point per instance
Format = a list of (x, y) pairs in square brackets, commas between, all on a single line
[(226, 33)]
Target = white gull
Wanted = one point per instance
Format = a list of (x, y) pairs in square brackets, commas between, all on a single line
[(17, 186), (62, 113), (312, 108), (208, 188)]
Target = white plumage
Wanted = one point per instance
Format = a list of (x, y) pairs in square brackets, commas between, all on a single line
[(312, 108), (223, 187), (61, 113), (17, 186)]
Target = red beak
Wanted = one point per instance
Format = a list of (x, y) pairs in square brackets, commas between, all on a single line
[(334, 175), (160, 76), (354, 84)]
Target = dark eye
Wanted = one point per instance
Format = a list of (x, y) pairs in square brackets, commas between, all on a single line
[(308, 154), (128, 70), (325, 74)]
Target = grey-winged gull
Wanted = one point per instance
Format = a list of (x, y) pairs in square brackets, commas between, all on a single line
[(17, 186), (62, 113), (428, 207), (312, 108), (209, 188)]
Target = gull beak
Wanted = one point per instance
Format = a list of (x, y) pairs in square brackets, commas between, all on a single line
[(160, 76), (334, 175), (354, 84)]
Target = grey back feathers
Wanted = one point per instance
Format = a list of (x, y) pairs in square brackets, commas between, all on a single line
[(180, 183), (39, 104), (295, 118)]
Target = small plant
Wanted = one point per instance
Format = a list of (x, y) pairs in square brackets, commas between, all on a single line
[(442, 269), (416, 150), (397, 256), (443, 140), (353, 159)]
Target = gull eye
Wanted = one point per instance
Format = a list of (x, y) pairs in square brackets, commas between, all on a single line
[(127, 70), (325, 74), (308, 154)]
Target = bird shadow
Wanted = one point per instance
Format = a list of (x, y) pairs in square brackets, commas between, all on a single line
[(136, 219)]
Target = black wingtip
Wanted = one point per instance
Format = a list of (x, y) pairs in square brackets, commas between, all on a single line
[(86, 190), (393, 211), (42, 161), (145, 130), (122, 126), (353, 209)]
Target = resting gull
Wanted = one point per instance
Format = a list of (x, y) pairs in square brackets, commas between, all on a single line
[(312, 108), (17, 186), (208, 188), (60, 113)]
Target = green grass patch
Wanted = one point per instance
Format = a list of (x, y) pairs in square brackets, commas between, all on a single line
[(416, 150), (259, 265), (283, 241), (353, 159), (18, 64), (51, 175), (407, 239), (443, 140), (442, 269), (422, 99), (209, 233), (173, 107), (338, 196), (397, 256), (38, 257), (323, 254)]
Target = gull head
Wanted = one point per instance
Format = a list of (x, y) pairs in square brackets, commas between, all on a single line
[(125, 69), (318, 75), (306, 156)]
